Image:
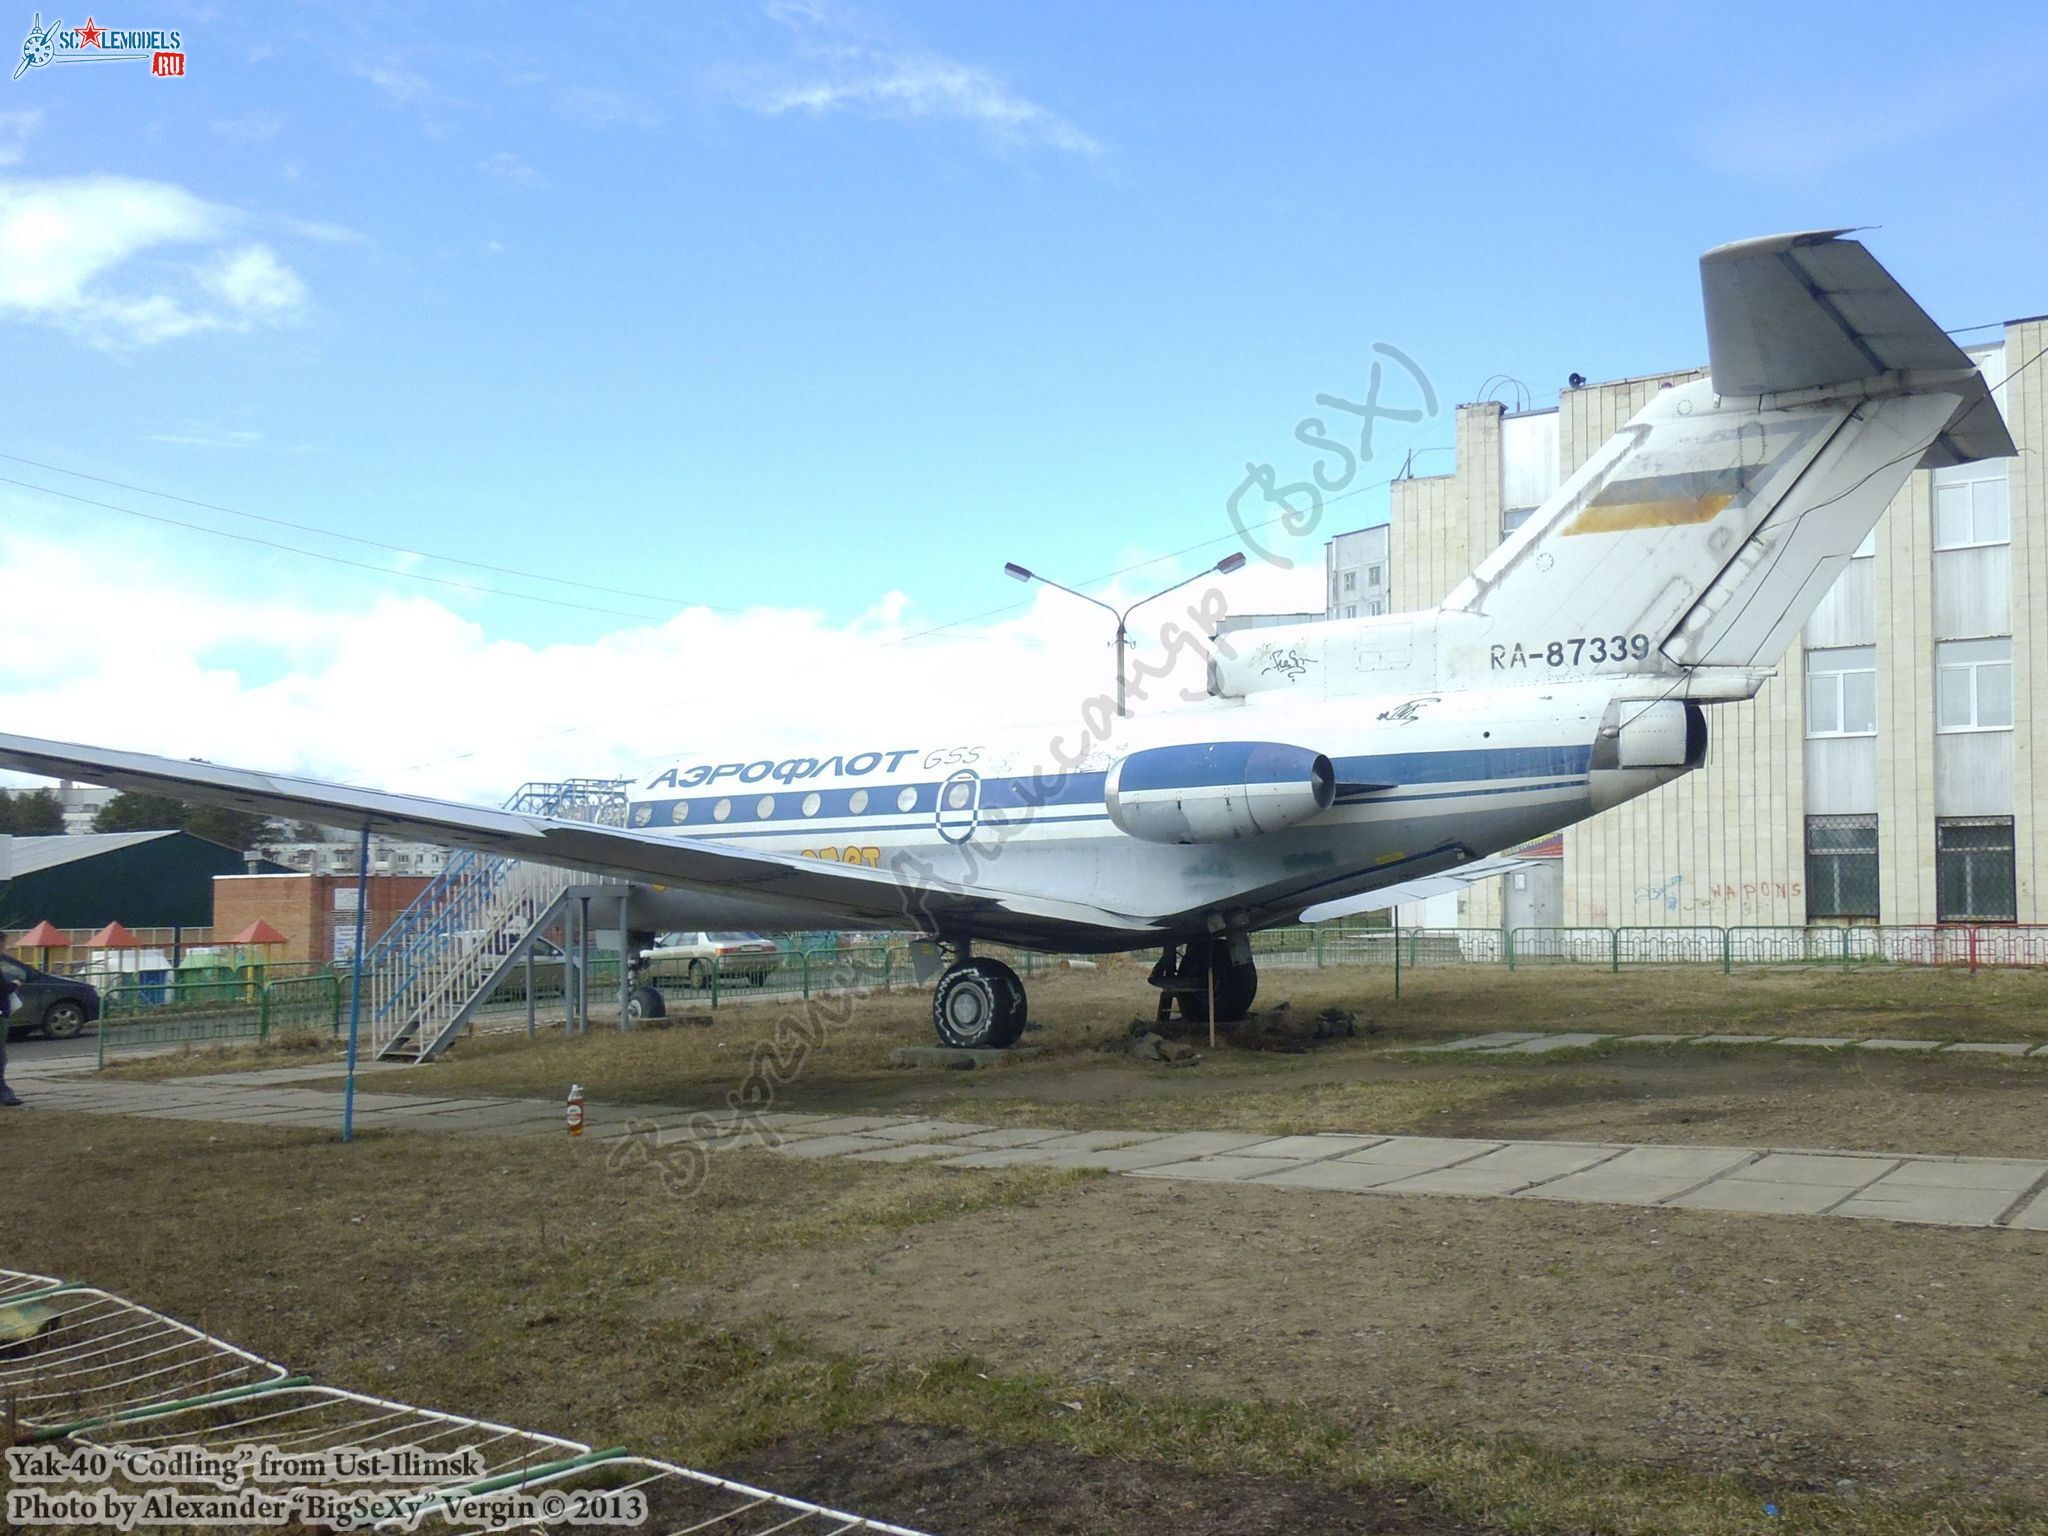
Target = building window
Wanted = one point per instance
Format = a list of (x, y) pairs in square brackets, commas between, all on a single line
[(1841, 868), (1372, 575), (1375, 607), (1351, 581), (1351, 610), (1513, 518), (1970, 508), (1841, 691), (1973, 870), (1973, 685)]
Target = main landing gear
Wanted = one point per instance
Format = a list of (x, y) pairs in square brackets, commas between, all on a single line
[(978, 1003), (1184, 977)]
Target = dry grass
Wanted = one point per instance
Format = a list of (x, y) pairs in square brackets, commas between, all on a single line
[(523, 1281)]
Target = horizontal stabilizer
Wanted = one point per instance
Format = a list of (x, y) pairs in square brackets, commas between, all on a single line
[(1810, 311)]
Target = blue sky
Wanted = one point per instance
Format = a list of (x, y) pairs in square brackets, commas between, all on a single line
[(797, 306)]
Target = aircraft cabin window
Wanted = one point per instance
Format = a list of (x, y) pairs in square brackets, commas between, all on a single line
[(721, 810), (858, 802), (906, 800), (956, 797), (764, 807), (682, 811), (811, 803)]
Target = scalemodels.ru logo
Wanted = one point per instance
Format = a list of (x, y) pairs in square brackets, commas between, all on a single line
[(163, 49)]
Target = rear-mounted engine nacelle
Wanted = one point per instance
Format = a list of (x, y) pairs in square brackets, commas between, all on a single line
[(1217, 792)]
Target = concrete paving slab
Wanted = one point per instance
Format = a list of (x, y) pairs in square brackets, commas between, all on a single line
[(1004, 1157), (1643, 1175), (1900, 1045), (1309, 1148), (1759, 1197), (1096, 1141), (2039, 1050), (1920, 1203), (904, 1152), (1568, 1041), (1014, 1136), (1826, 1042), (1227, 1169), (1733, 1039), (1416, 1153), (1989, 1047), (847, 1125), (1654, 1039), (829, 1146), (926, 1130), (2010, 1177), (1517, 1166), (1340, 1175), (1494, 1041), (1110, 1159), (1182, 1144), (1839, 1171), (2032, 1217)]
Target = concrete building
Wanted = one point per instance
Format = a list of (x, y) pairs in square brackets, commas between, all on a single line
[(1894, 771), (337, 856), (1358, 574)]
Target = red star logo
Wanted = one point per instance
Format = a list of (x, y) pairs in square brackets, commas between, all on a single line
[(89, 34)]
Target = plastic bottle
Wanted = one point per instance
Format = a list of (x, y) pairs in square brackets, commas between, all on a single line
[(575, 1109)]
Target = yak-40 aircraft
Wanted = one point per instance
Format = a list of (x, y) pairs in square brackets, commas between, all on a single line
[(1337, 767)]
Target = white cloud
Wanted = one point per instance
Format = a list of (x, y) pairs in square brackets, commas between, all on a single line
[(841, 67), (90, 254), (16, 128), (509, 167), (351, 684)]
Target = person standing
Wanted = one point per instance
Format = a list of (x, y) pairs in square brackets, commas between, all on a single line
[(8, 992)]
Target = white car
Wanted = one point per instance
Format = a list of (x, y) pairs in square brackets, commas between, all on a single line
[(698, 957)]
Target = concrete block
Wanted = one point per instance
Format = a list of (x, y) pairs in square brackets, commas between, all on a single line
[(847, 1125), (1839, 1171), (1517, 1166), (1654, 1039), (1095, 1141), (1309, 1148), (1899, 1045), (1110, 1159), (1184, 1144), (1643, 1175), (1015, 1136), (1733, 1039), (1988, 1047), (1565, 1042), (1828, 1042), (1759, 1197)]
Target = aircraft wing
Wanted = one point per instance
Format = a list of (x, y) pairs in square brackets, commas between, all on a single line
[(1464, 876), (842, 894)]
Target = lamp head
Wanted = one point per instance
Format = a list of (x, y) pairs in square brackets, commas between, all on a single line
[(1017, 571), (1230, 563)]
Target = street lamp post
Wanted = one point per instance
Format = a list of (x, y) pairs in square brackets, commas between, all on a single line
[(1222, 567)]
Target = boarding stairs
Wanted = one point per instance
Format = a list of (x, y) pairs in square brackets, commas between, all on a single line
[(464, 934)]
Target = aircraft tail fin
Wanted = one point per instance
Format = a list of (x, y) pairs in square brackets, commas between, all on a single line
[(1705, 532)]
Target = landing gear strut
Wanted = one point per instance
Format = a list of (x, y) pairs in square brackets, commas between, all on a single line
[(1183, 977), (979, 1004)]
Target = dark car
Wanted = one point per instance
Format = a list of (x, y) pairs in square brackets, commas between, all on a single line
[(57, 1005)]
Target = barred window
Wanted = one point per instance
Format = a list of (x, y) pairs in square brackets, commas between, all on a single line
[(1841, 868), (1973, 870)]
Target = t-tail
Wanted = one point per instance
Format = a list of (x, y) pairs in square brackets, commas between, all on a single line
[(1692, 547)]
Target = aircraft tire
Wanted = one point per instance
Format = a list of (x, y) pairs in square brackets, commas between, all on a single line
[(646, 1003), (1236, 985), (979, 1005)]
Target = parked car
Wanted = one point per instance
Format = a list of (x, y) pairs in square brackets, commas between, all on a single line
[(56, 1005), (698, 956)]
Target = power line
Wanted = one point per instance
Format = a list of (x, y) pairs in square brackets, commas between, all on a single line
[(360, 565), (351, 538)]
